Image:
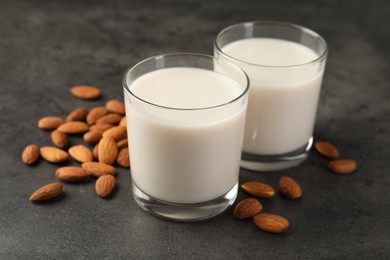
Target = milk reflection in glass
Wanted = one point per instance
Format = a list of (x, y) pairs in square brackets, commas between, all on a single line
[(282, 103), (179, 155)]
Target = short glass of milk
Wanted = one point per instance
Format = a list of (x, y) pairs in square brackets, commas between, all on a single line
[(185, 118), (285, 64)]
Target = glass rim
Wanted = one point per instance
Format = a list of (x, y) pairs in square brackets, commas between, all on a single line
[(320, 57), (178, 54)]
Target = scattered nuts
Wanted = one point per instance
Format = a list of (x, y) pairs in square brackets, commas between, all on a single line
[(271, 223), (327, 149), (104, 185), (289, 188), (30, 154), (344, 166), (46, 192), (85, 92), (258, 189), (247, 208)]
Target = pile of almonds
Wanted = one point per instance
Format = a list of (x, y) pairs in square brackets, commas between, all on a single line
[(103, 128), (288, 187)]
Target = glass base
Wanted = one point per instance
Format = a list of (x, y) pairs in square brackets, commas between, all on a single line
[(184, 212), (275, 162)]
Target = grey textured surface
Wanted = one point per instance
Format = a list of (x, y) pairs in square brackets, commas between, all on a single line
[(48, 46)]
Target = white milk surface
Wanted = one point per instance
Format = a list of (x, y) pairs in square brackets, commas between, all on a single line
[(282, 100), (184, 156)]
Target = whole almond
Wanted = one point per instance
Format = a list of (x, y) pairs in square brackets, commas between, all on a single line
[(116, 132), (92, 137), (79, 114), (327, 149), (50, 122), (123, 157), (113, 119), (98, 169), (95, 114), (73, 127), (85, 92), (30, 154), (46, 192), (271, 222), (81, 153), (289, 188), (71, 174), (258, 189), (104, 185), (344, 166), (101, 127), (95, 151), (53, 154), (115, 106), (247, 208), (123, 121), (107, 151), (122, 143), (59, 139)]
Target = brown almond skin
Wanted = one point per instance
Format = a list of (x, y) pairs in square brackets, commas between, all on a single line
[(247, 208), (122, 143), (50, 122), (107, 151), (59, 139), (79, 114), (46, 192), (85, 92), (71, 174), (343, 166), (123, 121), (81, 153), (101, 127), (73, 127), (116, 132), (53, 154), (113, 119), (289, 188), (258, 189), (98, 169), (30, 154), (104, 185), (95, 114), (271, 223), (327, 149), (123, 158), (95, 151), (92, 137), (115, 106)]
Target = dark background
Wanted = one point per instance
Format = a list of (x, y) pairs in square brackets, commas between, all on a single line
[(46, 47)]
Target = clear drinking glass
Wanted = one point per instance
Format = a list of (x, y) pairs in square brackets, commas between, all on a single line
[(185, 119), (285, 64)]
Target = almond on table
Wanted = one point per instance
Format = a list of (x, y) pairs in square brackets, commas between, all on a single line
[(46, 192), (258, 189), (247, 208), (107, 151), (289, 188), (343, 166), (73, 127), (85, 92), (59, 139), (104, 185), (81, 153), (53, 154), (30, 154), (95, 114), (115, 106), (71, 174), (123, 158), (98, 169), (50, 122), (271, 223), (79, 114), (327, 149)]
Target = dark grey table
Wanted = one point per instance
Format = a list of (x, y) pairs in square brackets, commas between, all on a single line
[(48, 46)]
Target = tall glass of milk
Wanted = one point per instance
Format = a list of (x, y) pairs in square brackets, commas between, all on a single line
[(185, 118), (285, 64)]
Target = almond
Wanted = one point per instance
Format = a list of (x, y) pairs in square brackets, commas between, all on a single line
[(344, 166), (123, 121), (289, 188), (98, 169), (95, 114), (100, 128), (71, 174), (50, 122), (59, 139), (107, 150), (247, 208), (79, 114), (92, 137), (30, 154), (85, 92), (123, 157), (104, 185), (73, 127), (81, 153), (53, 154), (116, 132), (115, 106), (46, 192), (327, 149), (258, 189), (95, 151), (113, 119), (271, 222), (122, 143)]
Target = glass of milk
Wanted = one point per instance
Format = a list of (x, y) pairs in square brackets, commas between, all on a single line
[(185, 119), (285, 64)]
